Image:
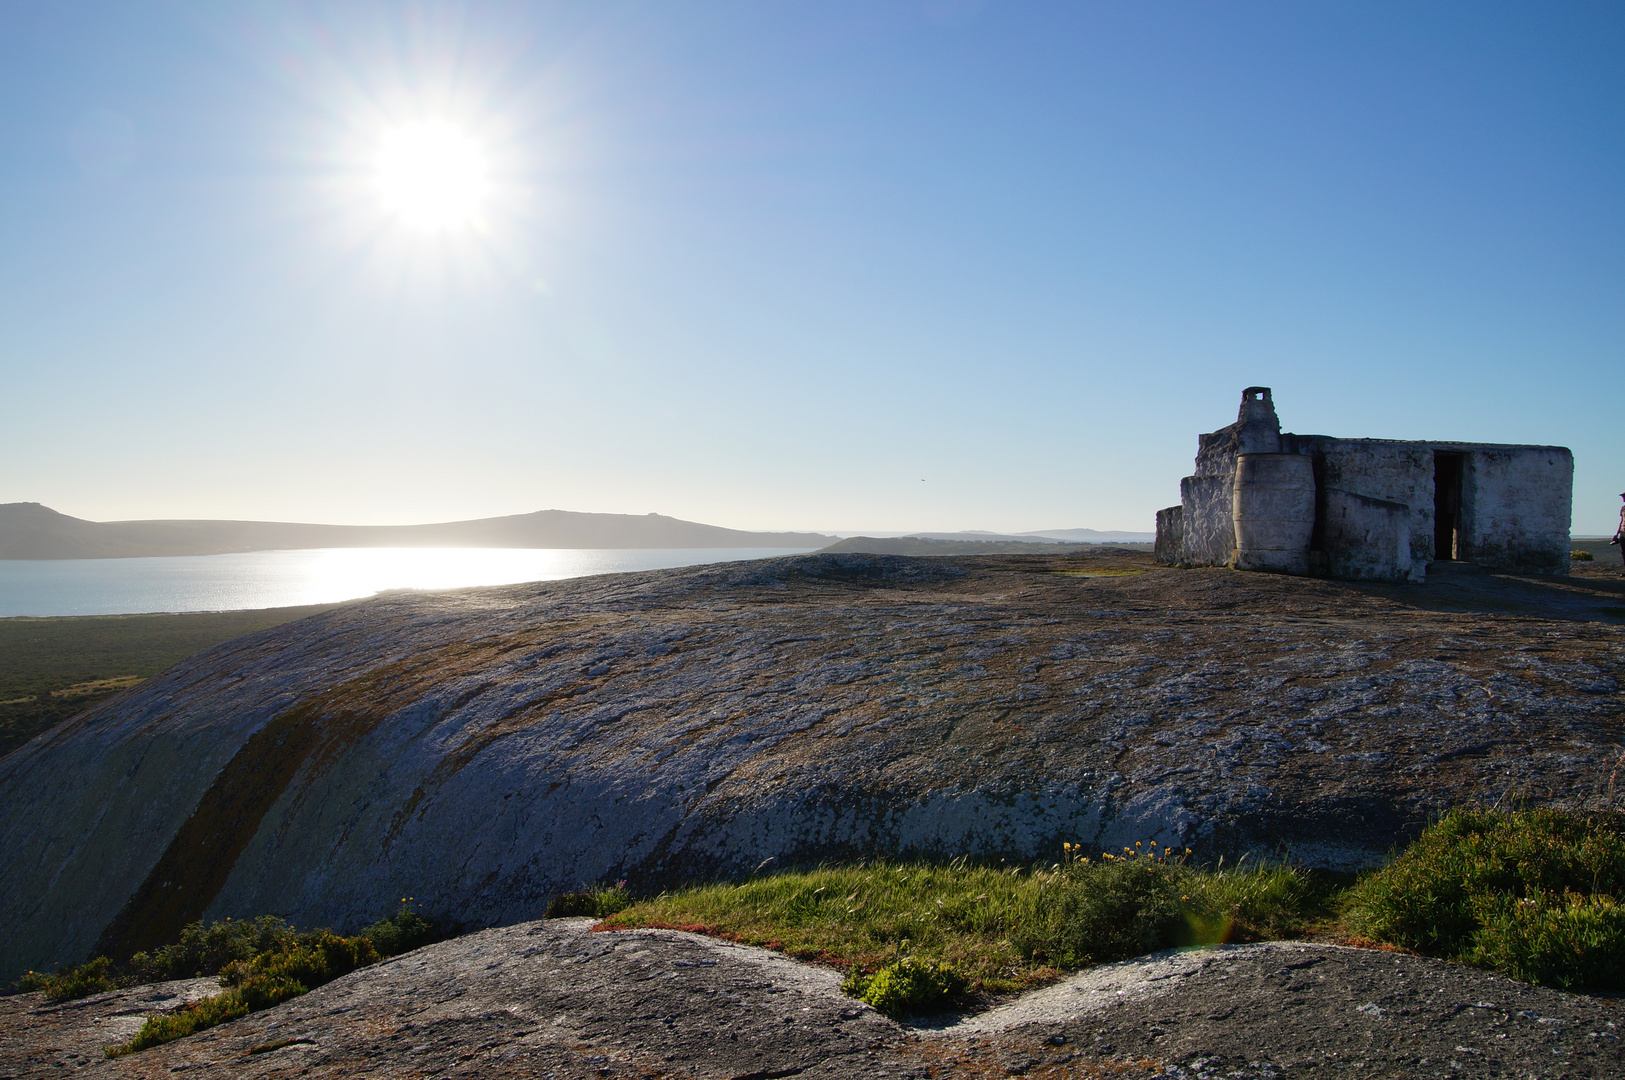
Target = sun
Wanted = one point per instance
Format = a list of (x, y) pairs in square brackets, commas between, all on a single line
[(431, 175)]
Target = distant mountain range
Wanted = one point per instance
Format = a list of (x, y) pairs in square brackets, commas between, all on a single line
[(939, 545), (33, 531), (1064, 536)]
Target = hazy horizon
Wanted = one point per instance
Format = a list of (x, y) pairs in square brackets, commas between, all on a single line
[(932, 265), (843, 533)]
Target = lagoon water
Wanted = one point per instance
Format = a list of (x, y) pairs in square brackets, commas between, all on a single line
[(263, 579)]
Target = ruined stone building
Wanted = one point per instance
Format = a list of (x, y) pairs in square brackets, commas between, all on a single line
[(1378, 509)]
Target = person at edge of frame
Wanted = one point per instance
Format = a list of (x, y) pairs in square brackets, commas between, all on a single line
[(1619, 533)]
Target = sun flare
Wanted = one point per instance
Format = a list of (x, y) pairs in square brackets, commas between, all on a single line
[(431, 175)]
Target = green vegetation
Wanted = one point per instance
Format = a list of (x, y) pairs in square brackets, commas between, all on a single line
[(294, 964), (401, 932), (599, 903), (91, 977), (1599, 548), (51, 669), (167, 1027), (217, 948), (1532, 894), (997, 929), (907, 986), (208, 950), (268, 979), (262, 962)]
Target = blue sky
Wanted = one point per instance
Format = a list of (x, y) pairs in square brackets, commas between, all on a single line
[(926, 265)]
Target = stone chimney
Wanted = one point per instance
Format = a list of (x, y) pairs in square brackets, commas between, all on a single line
[(1258, 428)]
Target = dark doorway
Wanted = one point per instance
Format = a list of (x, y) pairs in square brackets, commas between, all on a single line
[(1447, 470)]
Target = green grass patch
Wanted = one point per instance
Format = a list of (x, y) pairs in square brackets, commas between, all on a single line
[(994, 929), (51, 669), (1533, 894), (598, 903)]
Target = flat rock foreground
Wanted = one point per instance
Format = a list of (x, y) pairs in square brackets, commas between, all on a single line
[(552, 999)]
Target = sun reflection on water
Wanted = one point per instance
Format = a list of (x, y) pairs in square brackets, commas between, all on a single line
[(262, 579)]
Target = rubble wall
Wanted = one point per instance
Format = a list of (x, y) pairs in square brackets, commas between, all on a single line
[(1517, 502), (1210, 528), (1368, 539), (1170, 546), (1382, 469)]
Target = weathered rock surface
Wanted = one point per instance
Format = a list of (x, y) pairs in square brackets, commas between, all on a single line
[(481, 750), (1286, 1008), (40, 1038), (551, 999)]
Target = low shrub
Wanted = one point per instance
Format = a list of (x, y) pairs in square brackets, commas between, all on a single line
[(317, 958), (268, 979), (208, 949), (1097, 912), (91, 977), (598, 903), (198, 1016), (291, 963), (1565, 940), (401, 932), (1580, 555), (271, 988), (33, 982), (1532, 894), (1145, 900), (909, 985), (202, 950)]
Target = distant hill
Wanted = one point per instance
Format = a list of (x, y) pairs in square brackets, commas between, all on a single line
[(937, 545), (32, 531), (1043, 536), (1095, 536)]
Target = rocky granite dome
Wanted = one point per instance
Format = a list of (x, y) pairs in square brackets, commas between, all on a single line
[(482, 750)]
